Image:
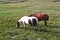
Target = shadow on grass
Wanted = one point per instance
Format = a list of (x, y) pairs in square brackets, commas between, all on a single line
[(12, 1), (39, 29), (48, 28), (28, 28), (54, 26)]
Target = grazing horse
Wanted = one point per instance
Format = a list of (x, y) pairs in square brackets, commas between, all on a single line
[(41, 17), (28, 20)]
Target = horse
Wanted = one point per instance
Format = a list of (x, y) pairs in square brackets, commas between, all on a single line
[(26, 20), (41, 17)]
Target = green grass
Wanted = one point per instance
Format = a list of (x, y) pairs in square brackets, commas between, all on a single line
[(11, 12)]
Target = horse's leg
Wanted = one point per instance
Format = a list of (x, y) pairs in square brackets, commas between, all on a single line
[(24, 24), (35, 26), (45, 23)]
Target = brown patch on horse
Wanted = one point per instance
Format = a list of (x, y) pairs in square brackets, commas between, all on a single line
[(34, 21), (41, 16), (29, 21)]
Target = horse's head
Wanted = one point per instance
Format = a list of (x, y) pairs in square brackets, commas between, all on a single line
[(17, 24)]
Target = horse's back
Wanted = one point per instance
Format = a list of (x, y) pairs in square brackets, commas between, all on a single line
[(27, 19), (41, 16)]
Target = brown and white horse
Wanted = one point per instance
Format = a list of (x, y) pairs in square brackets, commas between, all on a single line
[(41, 17), (27, 20)]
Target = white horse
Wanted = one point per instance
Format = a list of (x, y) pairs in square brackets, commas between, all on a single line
[(28, 20)]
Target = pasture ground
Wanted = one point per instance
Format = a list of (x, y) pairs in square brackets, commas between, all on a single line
[(11, 12)]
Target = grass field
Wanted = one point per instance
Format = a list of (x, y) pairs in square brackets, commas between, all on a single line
[(11, 12)]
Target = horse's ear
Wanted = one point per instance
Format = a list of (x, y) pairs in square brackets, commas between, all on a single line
[(17, 24)]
